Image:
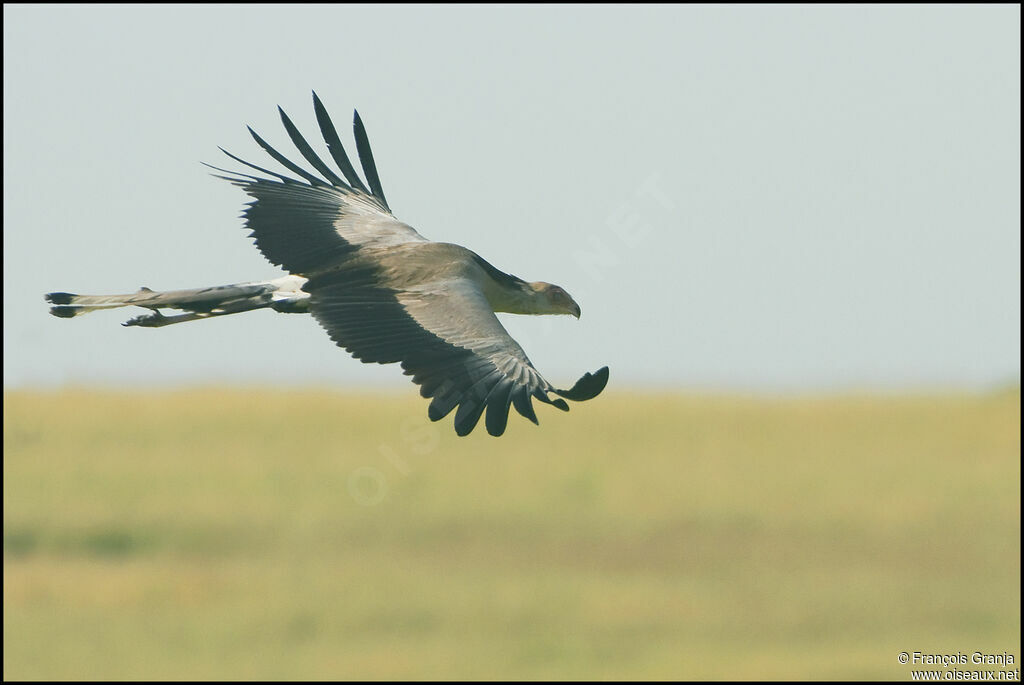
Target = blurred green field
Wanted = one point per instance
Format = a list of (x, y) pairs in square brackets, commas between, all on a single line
[(275, 534)]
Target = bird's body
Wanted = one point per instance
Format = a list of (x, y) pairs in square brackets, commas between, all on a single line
[(380, 289)]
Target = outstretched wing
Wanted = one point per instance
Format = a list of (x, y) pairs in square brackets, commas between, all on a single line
[(446, 337), (307, 225), (387, 294)]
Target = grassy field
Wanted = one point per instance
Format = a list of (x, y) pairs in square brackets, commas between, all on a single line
[(275, 534)]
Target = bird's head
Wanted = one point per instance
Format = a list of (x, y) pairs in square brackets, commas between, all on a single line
[(552, 299)]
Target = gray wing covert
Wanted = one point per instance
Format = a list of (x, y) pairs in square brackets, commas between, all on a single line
[(446, 338)]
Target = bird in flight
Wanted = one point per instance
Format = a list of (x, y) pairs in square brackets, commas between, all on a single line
[(381, 290)]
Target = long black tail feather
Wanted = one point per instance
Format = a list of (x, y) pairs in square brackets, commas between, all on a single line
[(199, 302)]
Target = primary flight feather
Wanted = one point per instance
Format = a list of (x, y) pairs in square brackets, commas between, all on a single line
[(381, 290)]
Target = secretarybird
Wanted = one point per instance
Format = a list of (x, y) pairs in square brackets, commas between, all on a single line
[(380, 289)]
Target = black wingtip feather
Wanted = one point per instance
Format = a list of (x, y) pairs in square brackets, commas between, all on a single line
[(468, 415), (543, 397), (497, 408), (284, 161), (334, 145), (523, 404), (442, 404), (366, 158), (588, 387), (282, 177), (307, 152)]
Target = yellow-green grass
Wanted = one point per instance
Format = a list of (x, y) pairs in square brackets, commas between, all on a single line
[(284, 534)]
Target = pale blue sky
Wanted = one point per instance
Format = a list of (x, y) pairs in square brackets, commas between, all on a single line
[(755, 198)]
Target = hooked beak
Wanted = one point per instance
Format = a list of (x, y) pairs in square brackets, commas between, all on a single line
[(575, 311)]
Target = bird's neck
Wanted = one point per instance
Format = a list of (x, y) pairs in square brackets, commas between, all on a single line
[(513, 299), (507, 293)]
